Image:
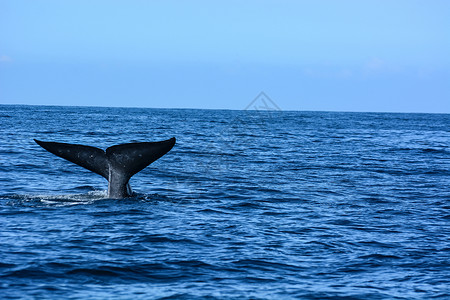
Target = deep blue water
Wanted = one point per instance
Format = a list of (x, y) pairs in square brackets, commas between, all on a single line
[(247, 205)]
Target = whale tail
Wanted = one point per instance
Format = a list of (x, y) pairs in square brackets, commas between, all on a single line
[(117, 164)]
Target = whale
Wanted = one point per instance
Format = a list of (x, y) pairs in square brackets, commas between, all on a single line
[(117, 164)]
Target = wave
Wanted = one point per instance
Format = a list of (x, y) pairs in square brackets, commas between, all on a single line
[(90, 197), (53, 200)]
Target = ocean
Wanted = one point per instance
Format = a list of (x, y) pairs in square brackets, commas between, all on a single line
[(250, 204)]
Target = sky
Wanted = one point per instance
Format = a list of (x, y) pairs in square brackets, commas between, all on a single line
[(322, 55)]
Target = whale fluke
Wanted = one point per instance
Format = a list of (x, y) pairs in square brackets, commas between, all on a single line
[(117, 164), (91, 158)]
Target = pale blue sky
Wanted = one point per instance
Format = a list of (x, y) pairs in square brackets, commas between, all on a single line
[(341, 55)]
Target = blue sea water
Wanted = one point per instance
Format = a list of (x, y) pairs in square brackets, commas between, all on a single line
[(247, 205)]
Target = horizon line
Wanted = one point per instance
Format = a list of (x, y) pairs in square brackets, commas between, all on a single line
[(230, 109)]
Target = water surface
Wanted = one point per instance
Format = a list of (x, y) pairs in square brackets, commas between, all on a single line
[(247, 205)]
